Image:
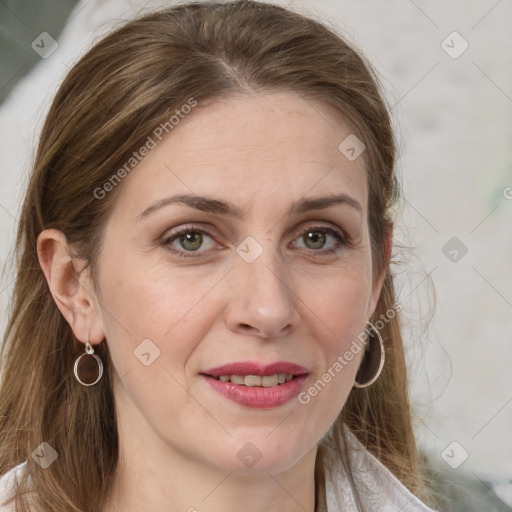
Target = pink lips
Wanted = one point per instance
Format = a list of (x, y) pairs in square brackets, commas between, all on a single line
[(257, 397)]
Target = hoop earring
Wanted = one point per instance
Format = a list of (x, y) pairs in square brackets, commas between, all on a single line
[(371, 364), (88, 367)]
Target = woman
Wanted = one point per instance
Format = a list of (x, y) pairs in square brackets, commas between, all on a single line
[(204, 315)]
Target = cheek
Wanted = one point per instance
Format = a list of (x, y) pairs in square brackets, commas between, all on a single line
[(152, 327), (143, 302), (339, 314), (340, 302)]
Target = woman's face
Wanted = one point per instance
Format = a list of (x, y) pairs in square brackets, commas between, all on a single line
[(267, 280)]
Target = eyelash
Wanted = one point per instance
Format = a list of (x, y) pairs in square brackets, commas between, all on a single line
[(192, 229)]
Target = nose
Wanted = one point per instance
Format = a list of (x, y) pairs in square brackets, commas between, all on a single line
[(262, 303)]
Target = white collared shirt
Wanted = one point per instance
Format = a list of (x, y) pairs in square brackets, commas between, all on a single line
[(8, 484), (379, 489)]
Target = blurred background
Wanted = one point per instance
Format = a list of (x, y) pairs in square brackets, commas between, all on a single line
[(447, 71)]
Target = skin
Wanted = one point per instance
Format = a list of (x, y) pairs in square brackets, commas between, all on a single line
[(296, 302)]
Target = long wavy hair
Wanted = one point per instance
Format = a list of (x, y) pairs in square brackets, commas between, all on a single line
[(109, 103)]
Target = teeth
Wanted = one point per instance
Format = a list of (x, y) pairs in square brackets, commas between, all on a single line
[(252, 380), (267, 381), (237, 379)]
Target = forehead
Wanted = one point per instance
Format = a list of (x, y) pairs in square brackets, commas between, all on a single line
[(266, 149)]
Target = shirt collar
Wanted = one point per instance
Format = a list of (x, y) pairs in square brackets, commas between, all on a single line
[(379, 489)]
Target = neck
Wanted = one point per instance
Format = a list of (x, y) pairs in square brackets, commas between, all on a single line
[(163, 481), (154, 475)]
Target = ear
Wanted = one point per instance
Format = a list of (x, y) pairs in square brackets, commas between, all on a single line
[(379, 282), (70, 286)]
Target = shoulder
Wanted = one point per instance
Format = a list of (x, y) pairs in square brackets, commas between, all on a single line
[(8, 483), (379, 489)]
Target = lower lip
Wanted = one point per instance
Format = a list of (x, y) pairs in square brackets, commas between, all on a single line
[(258, 397)]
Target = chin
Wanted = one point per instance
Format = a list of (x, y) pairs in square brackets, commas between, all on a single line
[(259, 454)]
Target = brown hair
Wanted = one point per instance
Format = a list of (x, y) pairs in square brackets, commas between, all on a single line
[(108, 104)]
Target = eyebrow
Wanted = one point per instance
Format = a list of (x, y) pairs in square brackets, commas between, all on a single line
[(216, 206)]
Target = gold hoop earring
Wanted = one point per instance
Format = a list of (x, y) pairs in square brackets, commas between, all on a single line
[(88, 367), (371, 364)]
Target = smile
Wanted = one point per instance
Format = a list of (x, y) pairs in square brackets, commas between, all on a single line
[(254, 385)]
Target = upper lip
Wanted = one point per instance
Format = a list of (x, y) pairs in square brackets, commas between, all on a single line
[(253, 368)]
